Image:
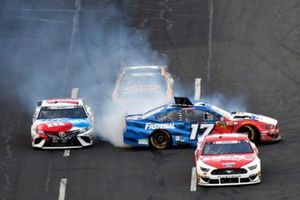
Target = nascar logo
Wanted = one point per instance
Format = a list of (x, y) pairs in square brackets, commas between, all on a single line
[(151, 126)]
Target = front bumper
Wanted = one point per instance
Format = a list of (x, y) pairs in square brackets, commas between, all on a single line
[(270, 136), (70, 141), (251, 177)]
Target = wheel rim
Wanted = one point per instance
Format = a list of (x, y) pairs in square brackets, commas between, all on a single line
[(160, 140)]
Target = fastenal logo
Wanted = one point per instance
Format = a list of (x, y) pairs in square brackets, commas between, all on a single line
[(61, 134), (151, 126)]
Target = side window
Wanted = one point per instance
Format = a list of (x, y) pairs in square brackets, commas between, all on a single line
[(175, 115), (194, 116), (187, 115), (211, 117), (200, 116)]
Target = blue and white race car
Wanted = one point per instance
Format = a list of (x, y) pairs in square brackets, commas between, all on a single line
[(184, 123), (62, 123)]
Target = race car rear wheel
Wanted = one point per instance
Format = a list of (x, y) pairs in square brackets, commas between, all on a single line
[(252, 133), (160, 139)]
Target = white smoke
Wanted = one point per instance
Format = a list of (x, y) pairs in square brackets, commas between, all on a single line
[(235, 103), (110, 127), (112, 46), (49, 54)]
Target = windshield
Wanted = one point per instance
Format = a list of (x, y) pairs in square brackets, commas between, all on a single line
[(146, 80), (227, 147), (48, 113)]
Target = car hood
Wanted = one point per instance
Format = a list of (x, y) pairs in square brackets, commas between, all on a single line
[(227, 160), (62, 124), (247, 115), (134, 117)]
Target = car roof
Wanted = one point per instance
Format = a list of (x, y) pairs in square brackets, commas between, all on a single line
[(149, 68), (61, 102), (226, 137)]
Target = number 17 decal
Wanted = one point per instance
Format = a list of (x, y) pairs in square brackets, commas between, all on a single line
[(195, 127)]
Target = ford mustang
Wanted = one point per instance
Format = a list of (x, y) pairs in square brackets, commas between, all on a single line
[(227, 159), (62, 123), (184, 122)]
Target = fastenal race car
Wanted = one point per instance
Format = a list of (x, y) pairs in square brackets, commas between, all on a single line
[(185, 122), (227, 159), (147, 85), (62, 123)]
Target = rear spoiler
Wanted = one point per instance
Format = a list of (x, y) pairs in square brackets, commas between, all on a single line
[(183, 101)]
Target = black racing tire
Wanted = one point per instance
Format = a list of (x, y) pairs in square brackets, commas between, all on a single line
[(160, 139), (251, 131)]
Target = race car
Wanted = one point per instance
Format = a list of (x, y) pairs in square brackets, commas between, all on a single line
[(143, 85), (227, 159), (184, 122), (61, 124)]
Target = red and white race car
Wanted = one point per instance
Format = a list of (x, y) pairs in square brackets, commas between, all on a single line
[(227, 159), (62, 123)]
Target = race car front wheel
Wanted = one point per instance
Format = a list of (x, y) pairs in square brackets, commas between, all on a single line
[(252, 134), (160, 139)]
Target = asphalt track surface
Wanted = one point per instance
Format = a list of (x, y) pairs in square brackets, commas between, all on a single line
[(241, 49)]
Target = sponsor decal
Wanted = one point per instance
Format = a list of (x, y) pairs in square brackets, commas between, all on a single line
[(227, 142), (60, 107), (55, 124), (228, 165), (80, 122), (222, 124), (143, 141), (179, 138), (224, 158), (152, 126)]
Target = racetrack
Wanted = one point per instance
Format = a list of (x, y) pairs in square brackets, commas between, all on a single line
[(246, 52)]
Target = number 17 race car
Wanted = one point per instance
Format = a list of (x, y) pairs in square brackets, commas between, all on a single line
[(184, 123)]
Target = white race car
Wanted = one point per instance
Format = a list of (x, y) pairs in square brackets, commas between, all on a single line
[(145, 86), (227, 159), (62, 123)]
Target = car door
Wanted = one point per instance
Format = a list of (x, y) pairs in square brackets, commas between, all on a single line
[(175, 118), (200, 123), (189, 124)]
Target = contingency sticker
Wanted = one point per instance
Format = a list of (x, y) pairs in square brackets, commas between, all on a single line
[(143, 141)]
